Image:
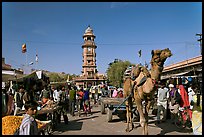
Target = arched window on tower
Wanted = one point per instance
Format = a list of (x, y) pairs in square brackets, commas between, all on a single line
[(89, 38)]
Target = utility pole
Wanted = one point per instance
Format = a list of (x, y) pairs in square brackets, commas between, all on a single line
[(200, 40)]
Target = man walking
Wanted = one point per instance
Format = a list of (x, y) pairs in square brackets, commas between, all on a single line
[(163, 95), (72, 100)]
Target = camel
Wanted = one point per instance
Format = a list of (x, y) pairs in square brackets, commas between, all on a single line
[(141, 86)]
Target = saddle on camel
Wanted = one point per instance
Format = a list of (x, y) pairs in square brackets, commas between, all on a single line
[(141, 86)]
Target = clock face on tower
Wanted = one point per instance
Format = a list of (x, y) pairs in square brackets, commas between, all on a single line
[(89, 49)]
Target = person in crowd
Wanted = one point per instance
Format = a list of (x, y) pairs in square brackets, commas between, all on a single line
[(191, 93), (46, 102), (52, 92), (95, 95), (67, 88), (29, 125), (174, 100), (45, 94), (106, 92), (63, 104), (4, 101), (56, 95), (163, 95), (72, 100), (80, 95), (18, 100), (87, 106), (120, 94), (184, 103), (13, 87), (184, 96), (115, 92), (99, 92), (9, 98), (10, 104), (26, 97)]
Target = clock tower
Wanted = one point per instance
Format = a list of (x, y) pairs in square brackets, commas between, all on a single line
[(89, 54), (89, 75)]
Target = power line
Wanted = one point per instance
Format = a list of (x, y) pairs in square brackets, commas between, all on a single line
[(136, 44)]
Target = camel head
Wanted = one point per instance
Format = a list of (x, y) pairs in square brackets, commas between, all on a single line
[(165, 53), (160, 56)]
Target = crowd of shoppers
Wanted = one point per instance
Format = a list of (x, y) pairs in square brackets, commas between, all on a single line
[(179, 97)]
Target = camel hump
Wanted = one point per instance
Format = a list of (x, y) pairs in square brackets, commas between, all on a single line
[(145, 71)]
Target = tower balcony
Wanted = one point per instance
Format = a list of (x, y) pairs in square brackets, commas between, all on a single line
[(90, 76), (88, 66), (88, 44)]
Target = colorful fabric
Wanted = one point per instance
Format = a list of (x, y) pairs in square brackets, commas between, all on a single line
[(115, 93), (80, 94), (184, 97), (86, 95)]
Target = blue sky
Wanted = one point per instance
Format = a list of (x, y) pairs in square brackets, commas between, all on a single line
[(54, 31)]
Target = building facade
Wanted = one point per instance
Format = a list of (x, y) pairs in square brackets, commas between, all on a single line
[(190, 68), (9, 73), (89, 76)]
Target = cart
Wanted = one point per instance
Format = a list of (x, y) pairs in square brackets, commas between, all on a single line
[(52, 117), (116, 106), (52, 113), (46, 129)]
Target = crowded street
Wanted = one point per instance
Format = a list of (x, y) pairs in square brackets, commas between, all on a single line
[(96, 124), (101, 68)]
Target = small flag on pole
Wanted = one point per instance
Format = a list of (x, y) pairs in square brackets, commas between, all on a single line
[(36, 58), (24, 48), (140, 53)]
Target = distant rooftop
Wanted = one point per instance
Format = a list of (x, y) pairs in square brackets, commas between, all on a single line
[(185, 63)]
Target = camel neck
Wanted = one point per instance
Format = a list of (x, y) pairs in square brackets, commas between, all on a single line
[(156, 72)]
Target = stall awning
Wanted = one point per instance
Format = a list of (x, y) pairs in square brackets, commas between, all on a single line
[(8, 72), (34, 75), (9, 75), (175, 75)]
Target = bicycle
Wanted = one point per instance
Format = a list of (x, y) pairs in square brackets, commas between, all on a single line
[(183, 120)]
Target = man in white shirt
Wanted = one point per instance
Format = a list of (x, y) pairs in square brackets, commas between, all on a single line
[(56, 95), (162, 97), (191, 93)]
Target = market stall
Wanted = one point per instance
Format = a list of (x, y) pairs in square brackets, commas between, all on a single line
[(50, 111), (11, 123)]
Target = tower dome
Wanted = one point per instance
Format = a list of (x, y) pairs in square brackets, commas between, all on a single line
[(89, 30), (89, 33)]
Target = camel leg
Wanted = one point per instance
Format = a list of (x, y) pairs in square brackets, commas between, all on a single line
[(129, 114), (147, 107), (140, 110)]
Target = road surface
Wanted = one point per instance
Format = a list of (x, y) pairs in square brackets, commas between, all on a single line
[(96, 124)]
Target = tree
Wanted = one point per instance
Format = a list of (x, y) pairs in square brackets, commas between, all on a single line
[(54, 77), (115, 72)]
